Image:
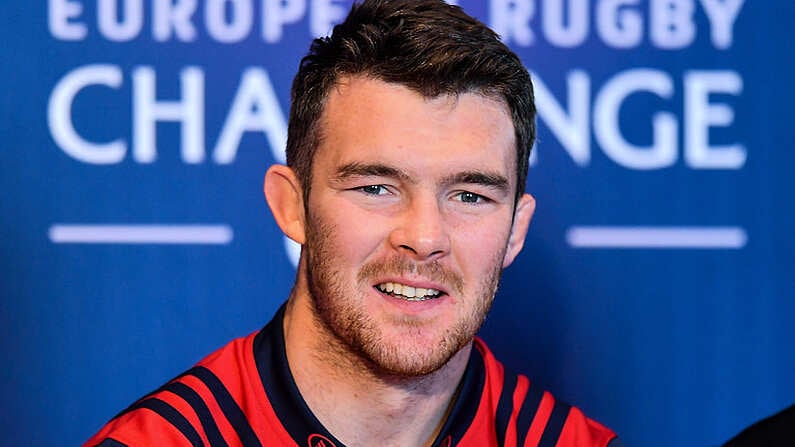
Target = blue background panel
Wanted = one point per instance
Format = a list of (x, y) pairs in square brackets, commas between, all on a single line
[(668, 346)]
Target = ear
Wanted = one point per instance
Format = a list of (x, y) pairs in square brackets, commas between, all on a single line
[(521, 221), (286, 201)]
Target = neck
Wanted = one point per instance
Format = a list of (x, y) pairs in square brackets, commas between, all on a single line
[(355, 401)]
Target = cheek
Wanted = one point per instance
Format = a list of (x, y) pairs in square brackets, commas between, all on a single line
[(353, 238), (478, 248)]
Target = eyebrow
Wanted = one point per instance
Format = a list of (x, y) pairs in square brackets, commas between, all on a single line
[(475, 177), (357, 169), (489, 179)]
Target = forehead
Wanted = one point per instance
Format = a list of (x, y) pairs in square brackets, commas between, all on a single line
[(366, 118)]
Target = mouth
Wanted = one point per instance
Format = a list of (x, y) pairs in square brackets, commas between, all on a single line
[(408, 293)]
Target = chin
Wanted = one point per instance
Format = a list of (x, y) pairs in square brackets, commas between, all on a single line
[(414, 354)]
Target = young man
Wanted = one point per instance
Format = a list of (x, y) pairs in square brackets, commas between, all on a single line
[(407, 153)]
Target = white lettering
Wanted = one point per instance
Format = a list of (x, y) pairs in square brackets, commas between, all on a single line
[(119, 31), (662, 152), (147, 111), (169, 17), (325, 13), (700, 115), (672, 26), (59, 115), (572, 130), (60, 11), (617, 26), (255, 108), (511, 20), (238, 28), (555, 28), (277, 13), (721, 15)]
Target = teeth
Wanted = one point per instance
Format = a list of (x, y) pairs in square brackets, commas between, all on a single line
[(408, 292)]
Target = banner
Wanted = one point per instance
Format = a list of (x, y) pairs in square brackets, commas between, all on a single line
[(655, 288)]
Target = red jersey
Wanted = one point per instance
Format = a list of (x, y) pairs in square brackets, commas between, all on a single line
[(244, 395)]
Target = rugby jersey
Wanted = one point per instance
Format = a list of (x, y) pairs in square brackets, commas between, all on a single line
[(244, 395)]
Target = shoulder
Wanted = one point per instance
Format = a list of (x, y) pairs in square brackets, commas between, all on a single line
[(525, 414), (198, 407)]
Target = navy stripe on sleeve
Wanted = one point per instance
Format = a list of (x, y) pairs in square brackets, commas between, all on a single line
[(528, 412), (107, 442), (173, 416), (555, 424), (505, 407), (202, 411), (135, 405), (228, 405)]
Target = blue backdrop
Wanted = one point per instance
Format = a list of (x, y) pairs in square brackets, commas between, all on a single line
[(655, 290)]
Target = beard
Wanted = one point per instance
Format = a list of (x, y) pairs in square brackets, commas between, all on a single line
[(394, 346)]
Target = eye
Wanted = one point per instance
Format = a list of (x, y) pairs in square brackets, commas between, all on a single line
[(374, 190), (470, 197)]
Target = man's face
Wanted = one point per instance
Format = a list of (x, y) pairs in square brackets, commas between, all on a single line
[(408, 221)]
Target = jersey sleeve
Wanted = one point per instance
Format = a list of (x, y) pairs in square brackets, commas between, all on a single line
[(580, 431), (154, 422)]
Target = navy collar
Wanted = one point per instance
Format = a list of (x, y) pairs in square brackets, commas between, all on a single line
[(299, 421)]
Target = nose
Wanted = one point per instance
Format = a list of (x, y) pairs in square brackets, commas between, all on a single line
[(421, 232)]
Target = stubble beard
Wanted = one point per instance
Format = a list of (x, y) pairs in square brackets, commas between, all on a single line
[(358, 338)]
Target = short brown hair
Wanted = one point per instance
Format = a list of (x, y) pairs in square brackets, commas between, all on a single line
[(426, 45)]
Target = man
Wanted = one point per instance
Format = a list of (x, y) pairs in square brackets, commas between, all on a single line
[(407, 153)]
